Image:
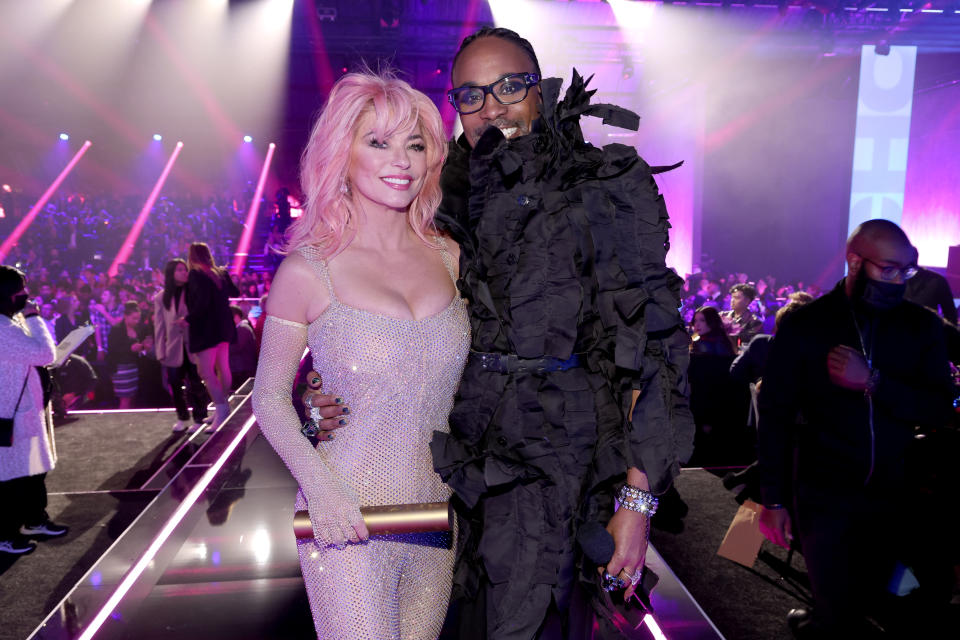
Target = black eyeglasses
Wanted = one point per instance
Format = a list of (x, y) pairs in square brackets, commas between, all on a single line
[(509, 89), (890, 274)]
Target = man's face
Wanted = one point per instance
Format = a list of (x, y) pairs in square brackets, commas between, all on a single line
[(880, 254), (739, 302), (483, 62)]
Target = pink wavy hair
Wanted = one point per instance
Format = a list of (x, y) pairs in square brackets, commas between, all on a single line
[(325, 164)]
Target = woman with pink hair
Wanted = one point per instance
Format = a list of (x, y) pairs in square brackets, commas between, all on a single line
[(369, 285)]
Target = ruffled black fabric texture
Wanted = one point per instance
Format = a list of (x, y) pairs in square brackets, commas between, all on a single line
[(563, 252)]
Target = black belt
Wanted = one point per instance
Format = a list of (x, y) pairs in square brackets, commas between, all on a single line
[(510, 362)]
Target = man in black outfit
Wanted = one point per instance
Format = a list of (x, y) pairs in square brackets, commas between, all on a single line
[(849, 377)]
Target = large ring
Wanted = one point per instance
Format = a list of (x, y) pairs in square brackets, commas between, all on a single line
[(611, 583), (309, 401), (635, 578), (315, 415)]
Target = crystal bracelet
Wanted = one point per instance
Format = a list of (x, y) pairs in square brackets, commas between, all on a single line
[(637, 499)]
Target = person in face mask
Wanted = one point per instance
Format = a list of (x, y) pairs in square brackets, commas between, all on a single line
[(848, 379), (27, 450)]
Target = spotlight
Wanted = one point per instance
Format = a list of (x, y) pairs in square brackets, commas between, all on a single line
[(157, 137), (248, 138), (64, 136), (7, 188), (882, 48)]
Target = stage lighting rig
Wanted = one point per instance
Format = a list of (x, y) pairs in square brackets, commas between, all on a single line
[(326, 14)]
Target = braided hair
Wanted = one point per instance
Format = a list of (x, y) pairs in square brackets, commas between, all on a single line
[(503, 34)]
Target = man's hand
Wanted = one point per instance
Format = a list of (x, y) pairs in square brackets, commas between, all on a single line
[(629, 530), (848, 368), (333, 412), (30, 308), (775, 526)]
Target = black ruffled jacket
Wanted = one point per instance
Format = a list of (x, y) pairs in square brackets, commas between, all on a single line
[(563, 250)]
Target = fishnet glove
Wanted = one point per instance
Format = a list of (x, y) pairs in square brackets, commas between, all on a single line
[(334, 507)]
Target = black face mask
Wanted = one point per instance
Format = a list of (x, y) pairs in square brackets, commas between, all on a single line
[(878, 294)]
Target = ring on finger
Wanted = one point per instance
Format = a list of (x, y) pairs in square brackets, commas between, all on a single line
[(635, 576), (309, 401), (315, 415)]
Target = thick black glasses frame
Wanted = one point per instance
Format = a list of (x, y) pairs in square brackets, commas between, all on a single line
[(529, 80)]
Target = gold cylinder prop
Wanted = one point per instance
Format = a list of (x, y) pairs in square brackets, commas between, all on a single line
[(390, 519)]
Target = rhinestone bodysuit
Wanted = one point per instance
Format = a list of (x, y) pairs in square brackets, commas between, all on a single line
[(399, 378)]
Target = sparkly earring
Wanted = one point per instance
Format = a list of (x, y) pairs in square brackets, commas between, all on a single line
[(344, 187)]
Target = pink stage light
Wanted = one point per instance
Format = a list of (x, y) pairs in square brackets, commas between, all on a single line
[(321, 61), (14, 237), (134, 574), (127, 247), (654, 628), (240, 257)]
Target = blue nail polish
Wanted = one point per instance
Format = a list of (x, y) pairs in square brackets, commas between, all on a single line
[(338, 400), (343, 422), (346, 410)]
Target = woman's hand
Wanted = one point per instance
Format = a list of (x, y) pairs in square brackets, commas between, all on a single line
[(333, 412), (335, 516), (630, 531)]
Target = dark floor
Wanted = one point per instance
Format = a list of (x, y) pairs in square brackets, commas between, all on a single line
[(97, 489), (745, 604), (113, 465)]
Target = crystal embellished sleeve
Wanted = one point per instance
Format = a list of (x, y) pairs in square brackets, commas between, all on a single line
[(334, 507)]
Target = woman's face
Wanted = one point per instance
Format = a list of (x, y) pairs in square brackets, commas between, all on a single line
[(386, 173), (181, 273), (700, 324)]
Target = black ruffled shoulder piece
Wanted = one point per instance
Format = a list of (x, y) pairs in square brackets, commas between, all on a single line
[(563, 118), (451, 215)]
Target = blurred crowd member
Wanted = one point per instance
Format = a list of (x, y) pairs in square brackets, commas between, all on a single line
[(128, 343), (849, 377), (243, 351), (750, 364), (104, 315), (27, 450), (209, 289), (170, 341), (69, 317), (740, 322), (710, 337), (930, 289)]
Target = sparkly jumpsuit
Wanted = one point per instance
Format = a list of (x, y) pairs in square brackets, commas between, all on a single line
[(398, 377)]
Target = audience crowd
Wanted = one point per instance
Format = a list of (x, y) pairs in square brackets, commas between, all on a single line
[(67, 252)]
